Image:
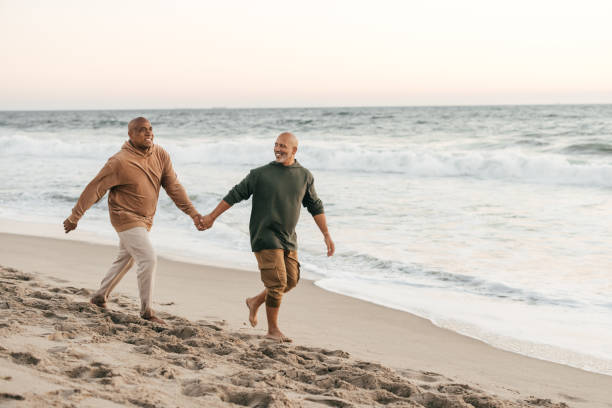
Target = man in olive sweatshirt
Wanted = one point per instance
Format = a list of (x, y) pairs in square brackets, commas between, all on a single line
[(134, 176), (278, 190)]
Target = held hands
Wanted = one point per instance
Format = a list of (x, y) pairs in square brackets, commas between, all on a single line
[(203, 222), (197, 221), (207, 221), (69, 225)]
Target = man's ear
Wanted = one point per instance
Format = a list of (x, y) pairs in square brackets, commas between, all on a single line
[(294, 149)]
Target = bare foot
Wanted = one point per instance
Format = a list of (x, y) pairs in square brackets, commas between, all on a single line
[(98, 301), (155, 319), (277, 335), (250, 302)]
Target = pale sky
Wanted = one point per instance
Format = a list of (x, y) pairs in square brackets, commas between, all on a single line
[(125, 54)]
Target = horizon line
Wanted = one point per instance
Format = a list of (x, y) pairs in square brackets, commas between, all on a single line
[(311, 107)]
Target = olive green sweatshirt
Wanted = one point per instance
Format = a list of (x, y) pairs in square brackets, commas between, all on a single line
[(134, 178), (278, 191)]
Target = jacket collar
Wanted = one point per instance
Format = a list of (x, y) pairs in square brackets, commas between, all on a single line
[(128, 146)]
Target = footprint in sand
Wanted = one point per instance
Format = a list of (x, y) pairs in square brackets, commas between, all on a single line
[(93, 371), (238, 395), (330, 402), (189, 362), (42, 295), (9, 396), (25, 359), (185, 332)]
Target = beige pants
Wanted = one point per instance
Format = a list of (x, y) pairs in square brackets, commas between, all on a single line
[(280, 272), (134, 245)]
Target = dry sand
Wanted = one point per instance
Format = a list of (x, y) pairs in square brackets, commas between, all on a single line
[(58, 350)]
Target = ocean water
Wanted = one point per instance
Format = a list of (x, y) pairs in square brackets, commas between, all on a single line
[(493, 221)]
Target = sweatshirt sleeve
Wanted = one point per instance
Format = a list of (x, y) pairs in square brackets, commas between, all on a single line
[(311, 201), (96, 189), (175, 189), (241, 191)]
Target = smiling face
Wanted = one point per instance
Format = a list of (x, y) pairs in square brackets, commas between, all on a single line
[(141, 133), (285, 148)]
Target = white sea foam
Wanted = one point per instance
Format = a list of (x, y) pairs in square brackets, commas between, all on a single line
[(17, 146), (504, 164)]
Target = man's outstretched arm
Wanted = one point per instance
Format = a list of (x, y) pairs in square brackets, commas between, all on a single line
[(241, 191), (322, 224)]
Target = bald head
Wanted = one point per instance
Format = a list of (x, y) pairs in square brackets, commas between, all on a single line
[(285, 148), (289, 138), (135, 123), (140, 132)]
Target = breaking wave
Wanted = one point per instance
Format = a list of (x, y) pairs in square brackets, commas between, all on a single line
[(501, 164)]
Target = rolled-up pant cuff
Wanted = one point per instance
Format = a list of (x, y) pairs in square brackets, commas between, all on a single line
[(280, 272)]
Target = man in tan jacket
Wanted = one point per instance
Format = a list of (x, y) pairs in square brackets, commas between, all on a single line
[(134, 176)]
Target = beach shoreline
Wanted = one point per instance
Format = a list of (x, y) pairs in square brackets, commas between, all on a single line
[(243, 261), (317, 318)]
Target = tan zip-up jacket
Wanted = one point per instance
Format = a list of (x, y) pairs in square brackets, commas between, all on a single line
[(134, 178)]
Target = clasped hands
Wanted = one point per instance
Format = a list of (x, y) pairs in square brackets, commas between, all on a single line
[(203, 222)]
